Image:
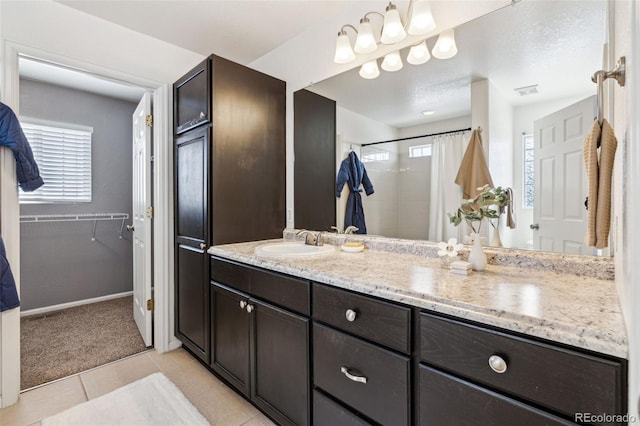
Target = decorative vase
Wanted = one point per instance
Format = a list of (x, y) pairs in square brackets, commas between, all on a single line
[(477, 257), (495, 240)]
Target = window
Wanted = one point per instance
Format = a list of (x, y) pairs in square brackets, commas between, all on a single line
[(373, 154), (63, 154), (420, 151), (528, 177)]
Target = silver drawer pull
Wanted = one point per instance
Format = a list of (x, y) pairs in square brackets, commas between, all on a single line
[(351, 315), (249, 308), (497, 364), (350, 376), (243, 304), (203, 246)]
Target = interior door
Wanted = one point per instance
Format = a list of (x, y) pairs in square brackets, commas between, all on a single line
[(559, 214), (142, 279)]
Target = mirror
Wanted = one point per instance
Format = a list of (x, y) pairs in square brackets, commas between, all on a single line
[(549, 48)]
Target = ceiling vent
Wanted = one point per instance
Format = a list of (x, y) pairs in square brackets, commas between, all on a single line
[(527, 90)]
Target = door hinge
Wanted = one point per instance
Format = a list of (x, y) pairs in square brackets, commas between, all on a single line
[(150, 212), (149, 120), (150, 305)]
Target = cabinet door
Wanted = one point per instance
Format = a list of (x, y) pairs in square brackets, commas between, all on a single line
[(230, 336), (192, 98), (192, 300), (192, 239), (280, 364)]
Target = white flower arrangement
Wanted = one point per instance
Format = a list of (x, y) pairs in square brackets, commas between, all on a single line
[(450, 248)]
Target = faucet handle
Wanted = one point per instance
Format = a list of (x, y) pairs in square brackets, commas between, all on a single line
[(351, 229), (335, 228)]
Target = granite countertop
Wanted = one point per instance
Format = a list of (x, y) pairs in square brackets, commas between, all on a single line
[(574, 310)]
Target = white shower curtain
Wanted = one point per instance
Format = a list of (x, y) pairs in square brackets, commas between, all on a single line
[(446, 156)]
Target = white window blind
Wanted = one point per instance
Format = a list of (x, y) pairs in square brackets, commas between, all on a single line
[(63, 154)]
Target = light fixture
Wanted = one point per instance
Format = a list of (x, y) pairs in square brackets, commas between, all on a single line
[(445, 47), (418, 54), (527, 90), (392, 62), (344, 52), (421, 18), (428, 112), (392, 29), (369, 70), (366, 42)]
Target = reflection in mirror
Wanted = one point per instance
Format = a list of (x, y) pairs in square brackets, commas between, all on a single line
[(520, 71)]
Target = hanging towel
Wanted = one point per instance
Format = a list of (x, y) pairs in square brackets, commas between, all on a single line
[(590, 154), (608, 145), (28, 175), (352, 171), (511, 221), (12, 136), (599, 150), (473, 172)]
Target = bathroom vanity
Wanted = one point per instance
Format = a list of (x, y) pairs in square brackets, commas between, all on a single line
[(392, 338)]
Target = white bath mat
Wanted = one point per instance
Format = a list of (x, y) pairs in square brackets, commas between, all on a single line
[(151, 401)]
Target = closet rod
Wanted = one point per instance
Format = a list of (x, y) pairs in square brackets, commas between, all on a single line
[(417, 137), (73, 217)]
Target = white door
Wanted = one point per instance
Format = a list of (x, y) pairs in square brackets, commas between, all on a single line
[(559, 214), (142, 279)]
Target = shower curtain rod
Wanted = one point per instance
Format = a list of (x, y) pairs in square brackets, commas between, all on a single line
[(417, 137)]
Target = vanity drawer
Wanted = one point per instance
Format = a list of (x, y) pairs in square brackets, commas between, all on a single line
[(446, 400), (384, 397), (328, 412), (560, 379), (375, 320), (282, 290)]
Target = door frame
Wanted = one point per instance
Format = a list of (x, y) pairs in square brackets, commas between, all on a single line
[(164, 339)]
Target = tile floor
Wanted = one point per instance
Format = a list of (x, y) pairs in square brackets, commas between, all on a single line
[(217, 402)]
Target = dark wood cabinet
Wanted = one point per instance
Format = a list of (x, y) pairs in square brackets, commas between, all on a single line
[(280, 373), (229, 158), (192, 95), (192, 229), (259, 348), (314, 141), (561, 380), (230, 336)]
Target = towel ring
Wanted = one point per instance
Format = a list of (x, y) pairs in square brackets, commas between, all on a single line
[(618, 72)]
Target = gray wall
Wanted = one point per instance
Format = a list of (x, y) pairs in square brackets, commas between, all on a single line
[(59, 262)]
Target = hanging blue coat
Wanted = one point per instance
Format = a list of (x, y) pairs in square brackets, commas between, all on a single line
[(352, 170), (12, 136)]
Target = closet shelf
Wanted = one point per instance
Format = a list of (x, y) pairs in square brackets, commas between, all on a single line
[(73, 217)]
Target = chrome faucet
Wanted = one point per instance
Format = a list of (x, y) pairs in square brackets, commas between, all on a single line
[(351, 229), (311, 238)]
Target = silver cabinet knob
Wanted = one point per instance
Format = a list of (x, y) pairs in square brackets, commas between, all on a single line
[(130, 228), (360, 379), (351, 315), (534, 226), (249, 308), (203, 246), (243, 304), (497, 364)]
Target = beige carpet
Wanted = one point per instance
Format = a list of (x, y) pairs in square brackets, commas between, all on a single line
[(65, 342)]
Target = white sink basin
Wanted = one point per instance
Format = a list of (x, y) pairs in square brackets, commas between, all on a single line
[(292, 249)]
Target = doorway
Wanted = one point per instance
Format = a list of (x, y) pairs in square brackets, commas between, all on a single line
[(76, 235)]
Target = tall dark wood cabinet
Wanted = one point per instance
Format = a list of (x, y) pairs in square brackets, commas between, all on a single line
[(315, 161), (229, 155)]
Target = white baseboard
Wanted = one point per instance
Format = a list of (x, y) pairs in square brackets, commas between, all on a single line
[(48, 309)]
